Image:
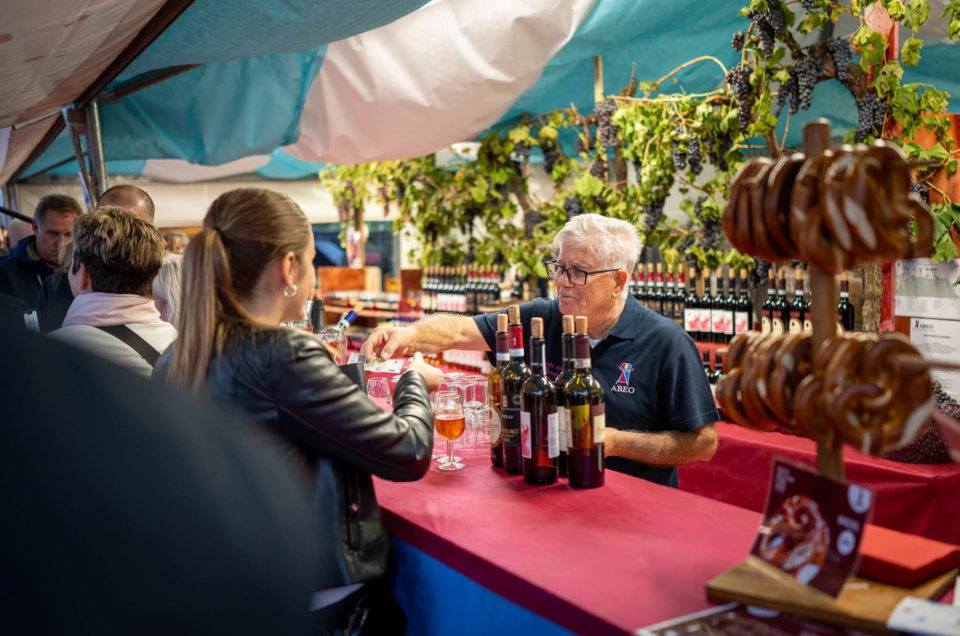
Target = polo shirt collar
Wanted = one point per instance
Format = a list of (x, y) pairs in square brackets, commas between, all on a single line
[(630, 318)]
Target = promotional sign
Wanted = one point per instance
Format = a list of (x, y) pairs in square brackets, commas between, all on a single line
[(812, 526)]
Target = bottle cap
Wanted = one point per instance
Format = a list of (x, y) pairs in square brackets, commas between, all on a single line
[(567, 322), (514, 311), (502, 323), (536, 328), (581, 325)]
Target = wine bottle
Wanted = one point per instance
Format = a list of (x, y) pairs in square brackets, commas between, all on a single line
[(707, 369), (797, 307), (716, 307), (717, 368), (706, 307), (512, 379), (658, 295), (649, 296), (584, 398), (638, 288), (780, 316), (680, 299), (691, 309), (769, 305), (743, 308), (730, 306), (844, 308), (669, 295), (559, 386), (539, 434), (318, 314), (496, 419)]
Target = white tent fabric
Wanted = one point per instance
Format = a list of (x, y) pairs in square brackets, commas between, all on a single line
[(184, 171), (409, 88)]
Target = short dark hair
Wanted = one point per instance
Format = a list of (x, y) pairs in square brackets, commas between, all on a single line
[(128, 197), (122, 252), (58, 203)]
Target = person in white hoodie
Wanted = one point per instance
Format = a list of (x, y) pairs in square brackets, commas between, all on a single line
[(116, 256)]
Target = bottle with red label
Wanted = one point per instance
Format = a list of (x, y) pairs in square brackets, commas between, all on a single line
[(743, 309), (512, 378)]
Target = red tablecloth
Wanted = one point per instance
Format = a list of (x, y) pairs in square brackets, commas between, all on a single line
[(600, 561), (918, 499)]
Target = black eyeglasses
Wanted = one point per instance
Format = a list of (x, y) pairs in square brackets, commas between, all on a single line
[(575, 275)]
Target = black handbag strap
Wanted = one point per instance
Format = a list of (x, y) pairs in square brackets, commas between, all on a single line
[(130, 338)]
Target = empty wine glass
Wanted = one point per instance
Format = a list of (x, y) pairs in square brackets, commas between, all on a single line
[(449, 419), (378, 390)]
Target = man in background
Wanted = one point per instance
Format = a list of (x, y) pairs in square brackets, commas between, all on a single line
[(35, 258), (55, 297)]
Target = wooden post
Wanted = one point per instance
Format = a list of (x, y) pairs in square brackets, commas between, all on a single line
[(823, 302), (597, 79)]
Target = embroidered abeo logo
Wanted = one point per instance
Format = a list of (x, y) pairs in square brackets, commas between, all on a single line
[(623, 382)]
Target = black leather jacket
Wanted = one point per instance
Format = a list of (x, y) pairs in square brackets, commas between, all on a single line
[(326, 427)]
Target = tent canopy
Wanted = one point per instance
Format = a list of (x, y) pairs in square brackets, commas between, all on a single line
[(279, 87)]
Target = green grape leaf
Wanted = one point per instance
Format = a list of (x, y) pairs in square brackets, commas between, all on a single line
[(951, 167), (547, 133), (588, 186), (917, 13), (895, 8), (910, 51)]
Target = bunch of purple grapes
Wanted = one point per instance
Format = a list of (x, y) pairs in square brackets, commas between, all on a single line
[(579, 146), (738, 41), (605, 128), (760, 275), (652, 214), (551, 155), (693, 155), (738, 79), (841, 53), (789, 91), (769, 24), (922, 190), (572, 206), (712, 233), (531, 220), (809, 5), (717, 152), (679, 157), (685, 244), (870, 114), (808, 74), (599, 168), (399, 193), (522, 151)]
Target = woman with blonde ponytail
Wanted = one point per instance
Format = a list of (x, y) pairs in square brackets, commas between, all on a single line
[(248, 270)]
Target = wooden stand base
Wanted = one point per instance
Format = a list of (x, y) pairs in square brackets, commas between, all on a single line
[(863, 603)]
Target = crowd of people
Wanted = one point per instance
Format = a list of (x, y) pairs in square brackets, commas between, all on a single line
[(207, 325)]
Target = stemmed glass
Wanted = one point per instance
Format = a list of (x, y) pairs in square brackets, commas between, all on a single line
[(448, 415), (378, 390)]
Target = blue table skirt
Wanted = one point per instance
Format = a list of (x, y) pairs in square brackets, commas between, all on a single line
[(440, 600)]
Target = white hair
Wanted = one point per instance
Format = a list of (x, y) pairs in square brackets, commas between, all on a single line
[(166, 287), (613, 243)]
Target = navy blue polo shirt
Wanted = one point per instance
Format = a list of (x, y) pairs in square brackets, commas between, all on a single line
[(649, 368)]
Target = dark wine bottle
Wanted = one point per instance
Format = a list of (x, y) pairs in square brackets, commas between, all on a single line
[(318, 314), (781, 311), (679, 299), (706, 308), (769, 304), (717, 305), (658, 295), (707, 369), (539, 434), (844, 307), (730, 306), (743, 310), (691, 308), (584, 398), (496, 418), (512, 379), (559, 386), (798, 306), (669, 295)]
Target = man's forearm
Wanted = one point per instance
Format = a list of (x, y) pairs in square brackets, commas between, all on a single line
[(446, 331), (666, 448)]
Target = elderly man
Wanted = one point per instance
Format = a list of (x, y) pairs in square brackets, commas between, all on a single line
[(115, 259), (55, 297), (35, 257), (660, 411)]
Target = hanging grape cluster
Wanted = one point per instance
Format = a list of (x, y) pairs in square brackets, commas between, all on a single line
[(922, 190), (870, 113), (809, 5), (808, 74), (572, 206), (551, 155), (522, 151), (690, 260), (693, 155), (605, 128), (841, 53), (712, 233), (531, 220), (767, 25), (717, 152), (739, 80), (599, 168), (738, 41), (652, 213), (579, 146), (789, 92), (679, 156), (761, 274)]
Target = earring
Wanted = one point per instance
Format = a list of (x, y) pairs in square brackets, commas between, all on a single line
[(289, 292)]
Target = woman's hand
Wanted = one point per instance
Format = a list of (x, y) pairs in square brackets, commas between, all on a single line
[(432, 375)]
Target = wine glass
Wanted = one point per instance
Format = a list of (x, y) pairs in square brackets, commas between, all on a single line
[(448, 415), (378, 390)]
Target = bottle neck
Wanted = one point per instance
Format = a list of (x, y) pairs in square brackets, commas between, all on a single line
[(568, 350), (581, 352), (503, 349), (516, 343), (347, 319), (537, 356)]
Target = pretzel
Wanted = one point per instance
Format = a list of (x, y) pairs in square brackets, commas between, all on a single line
[(797, 538), (795, 356), (844, 206)]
